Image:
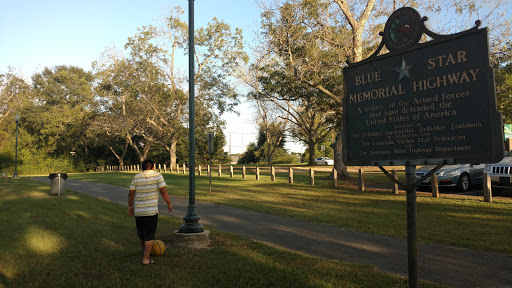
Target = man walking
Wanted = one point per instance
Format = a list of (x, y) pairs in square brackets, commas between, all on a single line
[(143, 204)]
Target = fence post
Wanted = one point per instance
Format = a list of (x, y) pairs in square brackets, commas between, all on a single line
[(434, 185), (209, 170), (199, 170), (257, 173), (220, 171), (361, 179), (311, 176), (184, 168), (165, 168), (231, 171), (273, 173), (334, 177), (243, 171), (290, 175), (487, 188), (395, 186)]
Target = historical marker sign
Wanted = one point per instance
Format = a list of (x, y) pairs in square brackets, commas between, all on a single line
[(430, 103)]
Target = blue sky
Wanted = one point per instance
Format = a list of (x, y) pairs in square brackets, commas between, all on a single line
[(37, 34)]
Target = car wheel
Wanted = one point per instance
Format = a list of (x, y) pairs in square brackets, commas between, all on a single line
[(463, 183)]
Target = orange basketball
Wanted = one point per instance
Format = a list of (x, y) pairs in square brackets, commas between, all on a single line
[(158, 248)]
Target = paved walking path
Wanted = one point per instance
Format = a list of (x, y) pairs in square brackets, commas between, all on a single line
[(451, 266)]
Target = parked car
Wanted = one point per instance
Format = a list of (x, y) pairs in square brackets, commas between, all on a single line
[(324, 161), (501, 173), (458, 176)]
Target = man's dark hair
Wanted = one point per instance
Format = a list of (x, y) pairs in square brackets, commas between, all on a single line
[(148, 164)]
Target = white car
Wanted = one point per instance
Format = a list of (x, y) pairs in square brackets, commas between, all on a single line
[(324, 161), (501, 173)]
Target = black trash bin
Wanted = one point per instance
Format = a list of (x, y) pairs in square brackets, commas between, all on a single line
[(58, 182)]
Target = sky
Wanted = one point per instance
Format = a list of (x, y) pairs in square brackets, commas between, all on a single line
[(38, 34)]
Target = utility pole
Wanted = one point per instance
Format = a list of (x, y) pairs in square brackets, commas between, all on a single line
[(229, 144)]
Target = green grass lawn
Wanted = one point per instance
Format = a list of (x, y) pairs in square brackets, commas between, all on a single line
[(461, 222), (81, 241)]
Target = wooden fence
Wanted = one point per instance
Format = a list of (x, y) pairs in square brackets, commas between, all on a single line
[(243, 170), (487, 192)]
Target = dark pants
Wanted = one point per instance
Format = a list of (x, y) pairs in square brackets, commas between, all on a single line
[(146, 227)]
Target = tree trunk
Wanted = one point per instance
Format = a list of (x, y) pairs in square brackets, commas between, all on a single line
[(172, 153), (120, 159), (340, 167), (134, 146), (312, 152), (269, 153), (357, 44)]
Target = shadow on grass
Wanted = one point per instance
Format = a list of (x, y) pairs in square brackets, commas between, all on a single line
[(80, 241)]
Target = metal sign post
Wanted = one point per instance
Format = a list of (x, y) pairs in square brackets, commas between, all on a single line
[(412, 235)]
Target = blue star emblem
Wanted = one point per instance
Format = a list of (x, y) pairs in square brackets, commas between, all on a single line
[(403, 70)]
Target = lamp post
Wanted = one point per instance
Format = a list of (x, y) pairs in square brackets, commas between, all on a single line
[(15, 175), (191, 219)]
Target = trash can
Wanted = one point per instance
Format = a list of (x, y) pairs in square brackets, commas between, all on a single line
[(58, 182)]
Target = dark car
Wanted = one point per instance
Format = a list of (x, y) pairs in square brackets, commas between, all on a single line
[(457, 176)]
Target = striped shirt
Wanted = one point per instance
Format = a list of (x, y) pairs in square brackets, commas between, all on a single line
[(147, 187)]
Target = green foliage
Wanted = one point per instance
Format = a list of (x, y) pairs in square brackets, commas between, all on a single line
[(318, 151), (249, 156), (14, 93), (503, 77), (58, 114), (259, 152)]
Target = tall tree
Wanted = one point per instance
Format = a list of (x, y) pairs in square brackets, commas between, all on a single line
[(218, 50), (272, 127), (311, 125), (14, 92), (61, 109), (308, 50), (503, 75), (118, 113)]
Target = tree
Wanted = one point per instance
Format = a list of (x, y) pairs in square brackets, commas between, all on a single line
[(119, 110), (14, 92), (61, 108), (272, 127), (309, 113), (503, 75), (310, 126), (249, 156), (218, 50), (308, 50)]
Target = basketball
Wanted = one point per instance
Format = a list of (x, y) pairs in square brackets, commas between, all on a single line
[(158, 248)]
